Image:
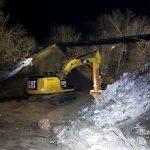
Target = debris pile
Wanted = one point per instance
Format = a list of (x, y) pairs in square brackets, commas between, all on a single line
[(105, 126)]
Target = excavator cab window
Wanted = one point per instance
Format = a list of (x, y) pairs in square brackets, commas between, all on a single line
[(49, 74), (85, 61)]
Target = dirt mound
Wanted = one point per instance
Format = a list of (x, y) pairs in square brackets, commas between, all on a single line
[(82, 79), (48, 60)]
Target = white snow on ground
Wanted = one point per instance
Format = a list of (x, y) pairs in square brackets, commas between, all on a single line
[(122, 101), (9, 73), (120, 104)]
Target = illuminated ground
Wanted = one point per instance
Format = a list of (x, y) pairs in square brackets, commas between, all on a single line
[(19, 122)]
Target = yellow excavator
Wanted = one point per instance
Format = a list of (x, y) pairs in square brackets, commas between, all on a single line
[(59, 83)]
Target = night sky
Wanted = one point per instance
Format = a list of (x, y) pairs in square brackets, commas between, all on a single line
[(37, 16)]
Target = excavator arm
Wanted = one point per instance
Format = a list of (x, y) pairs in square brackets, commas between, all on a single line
[(74, 63), (95, 61), (96, 77)]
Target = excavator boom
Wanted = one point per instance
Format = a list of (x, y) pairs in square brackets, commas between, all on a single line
[(96, 77)]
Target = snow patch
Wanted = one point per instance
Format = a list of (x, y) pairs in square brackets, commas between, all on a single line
[(21, 65), (122, 101), (120, 104)]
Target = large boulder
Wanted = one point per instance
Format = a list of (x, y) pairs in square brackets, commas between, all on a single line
[(48, 60)]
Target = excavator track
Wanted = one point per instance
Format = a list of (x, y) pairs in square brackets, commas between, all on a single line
[(56, 99)]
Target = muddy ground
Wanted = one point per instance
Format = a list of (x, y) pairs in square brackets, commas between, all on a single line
[(19, 118)]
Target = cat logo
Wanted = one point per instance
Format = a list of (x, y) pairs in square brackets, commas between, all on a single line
[(32, 84)]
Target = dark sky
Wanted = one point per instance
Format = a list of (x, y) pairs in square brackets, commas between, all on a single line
[(38, 15)]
